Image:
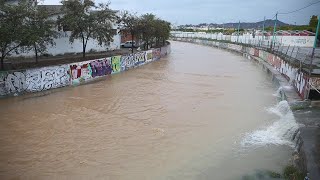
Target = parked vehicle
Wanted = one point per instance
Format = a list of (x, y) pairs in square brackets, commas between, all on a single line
[(129, 44)]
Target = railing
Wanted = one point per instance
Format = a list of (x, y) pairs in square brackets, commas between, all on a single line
[(299, 58), (295, 55)]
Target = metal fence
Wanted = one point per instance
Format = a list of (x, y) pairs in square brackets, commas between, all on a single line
[(299, 57)]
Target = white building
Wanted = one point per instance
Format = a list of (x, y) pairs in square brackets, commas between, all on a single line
[(62, 44)]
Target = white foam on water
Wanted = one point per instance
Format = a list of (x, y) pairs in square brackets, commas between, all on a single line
[(280, 132), (277, 93)]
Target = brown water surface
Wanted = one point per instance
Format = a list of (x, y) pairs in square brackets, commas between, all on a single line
[(182, 117)]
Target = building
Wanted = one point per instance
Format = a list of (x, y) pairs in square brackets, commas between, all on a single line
[(62, 44), (126, 36)]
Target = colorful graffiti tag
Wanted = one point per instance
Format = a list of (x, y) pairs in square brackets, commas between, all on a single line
[(148, 55), (116, 64), (47, 78), (101, 67), (80, 72), (127, 62), (139, 58), (156, 54)]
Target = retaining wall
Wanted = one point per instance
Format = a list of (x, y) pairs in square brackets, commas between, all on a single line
[(298, 78), (307, 137), (46, 78)]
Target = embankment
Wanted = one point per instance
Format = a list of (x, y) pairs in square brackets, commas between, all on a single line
[(293, 84), (13, 83)]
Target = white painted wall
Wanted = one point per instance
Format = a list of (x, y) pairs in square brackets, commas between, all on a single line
[(301, 41), (64, 46)]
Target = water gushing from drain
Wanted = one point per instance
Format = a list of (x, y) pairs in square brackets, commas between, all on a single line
[(281, 132)]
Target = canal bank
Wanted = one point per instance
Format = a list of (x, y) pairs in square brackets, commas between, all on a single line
[(26, 81), (292, 85)]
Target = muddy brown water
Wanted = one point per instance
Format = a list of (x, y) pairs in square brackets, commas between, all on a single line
[(182, 117)]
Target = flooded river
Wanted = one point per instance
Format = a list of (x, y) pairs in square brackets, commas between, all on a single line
[(200, 113)]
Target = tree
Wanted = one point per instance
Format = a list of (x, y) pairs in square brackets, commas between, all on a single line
[(129, 23), (147, 29), (85, 23), (313, 21), (162, 31), (40, 31), (12, 28)]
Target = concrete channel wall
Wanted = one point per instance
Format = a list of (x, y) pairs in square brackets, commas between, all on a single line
[(298, 78), (307, 149), (51, 77)]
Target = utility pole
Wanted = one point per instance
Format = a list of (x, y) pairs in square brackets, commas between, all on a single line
[(264, 21), (223, 28), (312, 56), (238, 32), (274, 31)]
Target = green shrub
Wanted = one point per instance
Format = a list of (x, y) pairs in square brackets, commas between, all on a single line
[(290, 172)]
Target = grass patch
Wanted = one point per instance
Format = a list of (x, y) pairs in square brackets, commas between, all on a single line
[(290, 172)]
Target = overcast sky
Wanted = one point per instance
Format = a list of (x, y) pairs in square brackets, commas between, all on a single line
[(180, 12)]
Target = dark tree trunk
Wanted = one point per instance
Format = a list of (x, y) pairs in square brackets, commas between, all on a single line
[(36, 52), (2, 64), (84, 44), (146, 45), (132, 39)]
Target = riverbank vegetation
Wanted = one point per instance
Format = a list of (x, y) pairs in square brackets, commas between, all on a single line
[(289, 172), (26, 27)]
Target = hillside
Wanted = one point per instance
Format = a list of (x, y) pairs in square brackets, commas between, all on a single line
[(243, 25)]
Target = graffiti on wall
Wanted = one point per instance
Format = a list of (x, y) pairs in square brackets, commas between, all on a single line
[(299, 79), (156, 54), (47, 78), (235, 47), (139, 58), (148, 55), (3, 90), (163, 51), (12, 82), (223, 45), (251, 51), (127, 62), (80, 72), (263, 55), (270, 58), (100, 67), (116, 64), (315, 82), (256, 52), (301, 83), (277, 62)]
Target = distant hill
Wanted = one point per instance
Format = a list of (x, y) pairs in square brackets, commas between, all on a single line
[(243, 25)]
